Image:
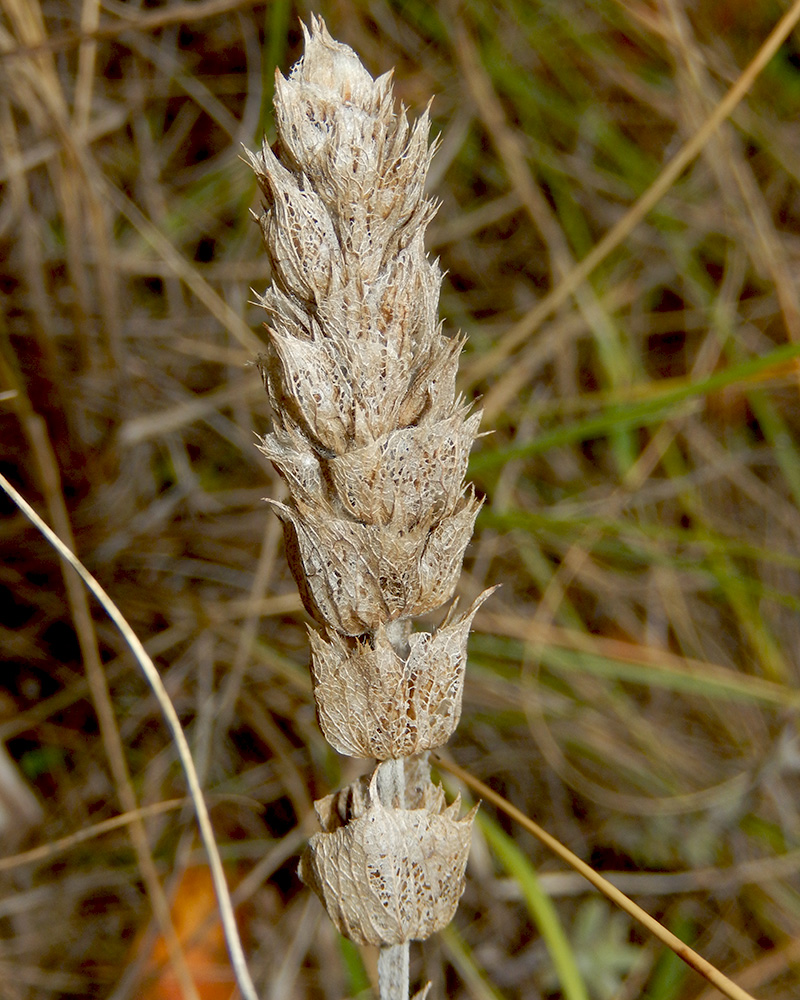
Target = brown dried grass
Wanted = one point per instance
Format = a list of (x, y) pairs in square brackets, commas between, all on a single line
[(633, 686)]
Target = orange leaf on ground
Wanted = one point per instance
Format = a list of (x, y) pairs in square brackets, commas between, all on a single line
[(196, 922)]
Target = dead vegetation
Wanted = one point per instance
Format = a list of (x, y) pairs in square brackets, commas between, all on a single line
[(633, 686)]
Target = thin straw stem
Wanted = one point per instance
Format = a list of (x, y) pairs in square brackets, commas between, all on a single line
[(519, 333), (153, 678), (682, 950)]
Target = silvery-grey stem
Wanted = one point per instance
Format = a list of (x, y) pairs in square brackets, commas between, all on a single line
[(391, 783), (393, 972), (393, 960)]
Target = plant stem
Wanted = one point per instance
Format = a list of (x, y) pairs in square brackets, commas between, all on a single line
[(393, 959), (393, 972), (391, 783)]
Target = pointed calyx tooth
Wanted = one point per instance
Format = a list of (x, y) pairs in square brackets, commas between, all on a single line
[(356, 577), (298, 232), (308, 382), (390, 875), (298, 465), (373, 703), (329, 71), (337, 127), (408, 474)]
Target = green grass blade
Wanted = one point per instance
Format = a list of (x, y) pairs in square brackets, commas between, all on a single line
[(540, 906), (635, 414)]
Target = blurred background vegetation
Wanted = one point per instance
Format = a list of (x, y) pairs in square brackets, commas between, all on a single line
[(633, 686)]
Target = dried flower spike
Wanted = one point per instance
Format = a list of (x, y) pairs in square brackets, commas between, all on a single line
[(373, 444)]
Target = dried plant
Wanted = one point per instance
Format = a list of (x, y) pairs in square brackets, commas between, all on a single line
[(373, 443)]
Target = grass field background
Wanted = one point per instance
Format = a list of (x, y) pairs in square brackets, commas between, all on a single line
[(635, 684)]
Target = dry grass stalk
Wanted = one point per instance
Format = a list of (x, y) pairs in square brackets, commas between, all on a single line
[(373, 444)]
